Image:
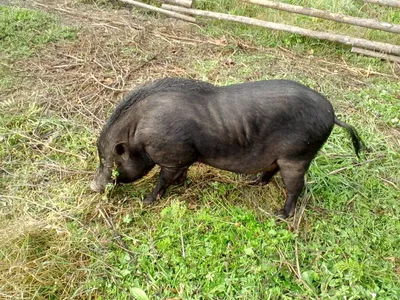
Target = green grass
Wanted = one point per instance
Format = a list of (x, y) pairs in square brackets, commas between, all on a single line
[(218, 251), (215, 237), (22, 31)]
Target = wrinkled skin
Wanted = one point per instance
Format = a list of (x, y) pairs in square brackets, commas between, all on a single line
[(130, 166), (256, 127)]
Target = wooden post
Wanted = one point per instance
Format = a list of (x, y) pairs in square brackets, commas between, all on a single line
[(393, 3), (185, 3), (160, 10), (333, 37), (369, 23), (376, 54)]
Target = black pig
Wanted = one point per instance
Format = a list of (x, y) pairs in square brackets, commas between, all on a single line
[(264, 126)]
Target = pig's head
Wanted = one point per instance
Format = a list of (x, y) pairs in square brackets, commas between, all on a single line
[(129, 163)]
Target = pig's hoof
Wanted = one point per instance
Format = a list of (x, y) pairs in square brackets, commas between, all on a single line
[(95, 187), (281, 214), (148, 200), (179, 181), (258, 181)]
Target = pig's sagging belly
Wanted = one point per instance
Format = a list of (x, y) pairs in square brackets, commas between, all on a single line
[(243, 165), (231, 154)]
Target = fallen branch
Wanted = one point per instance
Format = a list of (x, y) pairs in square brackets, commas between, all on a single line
[(333, 37), (368, 23), (376, 54), (393, 3), (185, 3), (160, 10)]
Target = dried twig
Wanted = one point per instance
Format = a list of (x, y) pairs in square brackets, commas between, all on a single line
[(390, 183), (150, 59), (286, 262), (120, 242), (296, 254), (296, 270), (182, 244), (47, 146), (106, 86), (355, 165), (299, 214), (196, 41)]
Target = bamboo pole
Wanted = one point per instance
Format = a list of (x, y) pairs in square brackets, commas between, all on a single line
[(160, 10), (376, 54), (393, 3), (333, 37), (369, 23), (185, 3)]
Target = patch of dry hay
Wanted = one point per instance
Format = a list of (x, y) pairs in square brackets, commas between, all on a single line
[(36, 255)]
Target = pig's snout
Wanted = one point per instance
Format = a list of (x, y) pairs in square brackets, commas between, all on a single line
[(100, 180)]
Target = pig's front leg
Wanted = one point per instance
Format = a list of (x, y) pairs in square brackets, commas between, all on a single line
[(266, 175), (165, 178)]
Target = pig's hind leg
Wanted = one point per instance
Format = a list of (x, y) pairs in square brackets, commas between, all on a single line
[(166, 177), (292, 172), (181, 179)]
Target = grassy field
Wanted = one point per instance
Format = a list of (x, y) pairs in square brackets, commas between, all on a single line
[(62, 71)]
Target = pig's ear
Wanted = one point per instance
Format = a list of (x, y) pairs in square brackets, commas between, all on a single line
[(121, 149)]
